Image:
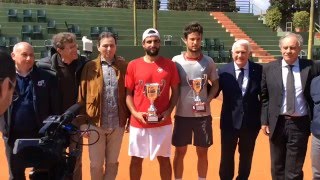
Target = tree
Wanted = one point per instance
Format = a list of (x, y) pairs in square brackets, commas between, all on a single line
[(288, 7), (301, 20), (273, 18)]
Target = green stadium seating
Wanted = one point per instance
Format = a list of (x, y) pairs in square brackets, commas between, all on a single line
[(225, 56), (12, 15), (120, 21), (48, 44), (51, 26), (205, 53), (41, 15), (76, 31), (94, 32), (27, 15), (27, 39), (12, 41), (26, 31), (218, 45), (3, 43), (37, 31), (103, 29), (215, 56)]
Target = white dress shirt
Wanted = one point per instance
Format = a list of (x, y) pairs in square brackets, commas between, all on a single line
[(300, 102), (245, 76)]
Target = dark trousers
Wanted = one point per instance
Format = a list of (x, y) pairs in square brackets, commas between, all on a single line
[(288, 148), (15, 163), (245, 139)]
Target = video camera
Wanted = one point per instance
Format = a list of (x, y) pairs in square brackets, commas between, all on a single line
[(48, 155)]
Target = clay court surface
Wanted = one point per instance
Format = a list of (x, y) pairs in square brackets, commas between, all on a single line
[(260, 167)]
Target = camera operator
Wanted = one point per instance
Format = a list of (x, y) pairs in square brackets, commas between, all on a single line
[(7, 81), (67, 65), (37, 90)]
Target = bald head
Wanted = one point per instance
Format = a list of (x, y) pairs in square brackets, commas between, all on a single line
[(23, 56), (21, 46)]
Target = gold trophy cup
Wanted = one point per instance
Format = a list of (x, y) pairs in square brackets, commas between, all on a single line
[(197, 85), (152, 92)]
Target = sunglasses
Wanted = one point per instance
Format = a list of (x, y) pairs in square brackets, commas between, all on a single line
[(15, 95)]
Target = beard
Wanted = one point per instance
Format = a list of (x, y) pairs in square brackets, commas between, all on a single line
[(152, 52), (194, 50)]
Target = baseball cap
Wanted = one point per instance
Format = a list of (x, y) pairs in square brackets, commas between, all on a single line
[(150, 32)]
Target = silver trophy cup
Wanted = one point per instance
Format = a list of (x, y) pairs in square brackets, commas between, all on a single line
[(197, 85), (152, 91)]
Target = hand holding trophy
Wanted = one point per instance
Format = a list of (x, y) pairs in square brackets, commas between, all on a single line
[(197, 85), (152, 91)]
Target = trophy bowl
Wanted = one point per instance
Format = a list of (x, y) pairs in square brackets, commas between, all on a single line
[(197, 84), (152, 92)]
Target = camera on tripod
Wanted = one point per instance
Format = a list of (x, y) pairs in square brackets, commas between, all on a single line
[(48, 155)]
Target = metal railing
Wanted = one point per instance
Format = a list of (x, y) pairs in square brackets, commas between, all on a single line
[(317, 27)]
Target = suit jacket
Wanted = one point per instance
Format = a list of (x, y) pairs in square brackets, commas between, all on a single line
[(90, 91), (237, 110), (45, 101), (272, 87), (315, 94)]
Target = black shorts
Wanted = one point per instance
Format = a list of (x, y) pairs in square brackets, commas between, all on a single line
[(199, 127)]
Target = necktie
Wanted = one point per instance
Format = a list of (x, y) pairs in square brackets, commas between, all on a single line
[(290, 91), (240, 78)]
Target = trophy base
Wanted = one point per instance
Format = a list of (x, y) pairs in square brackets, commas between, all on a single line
[(152, 119), (199, 107)]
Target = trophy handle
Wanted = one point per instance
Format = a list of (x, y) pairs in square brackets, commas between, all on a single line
[(205, 79), (161, 86), (188, 81), (141, 83)]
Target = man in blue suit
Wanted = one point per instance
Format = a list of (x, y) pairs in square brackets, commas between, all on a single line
[(240, 114)]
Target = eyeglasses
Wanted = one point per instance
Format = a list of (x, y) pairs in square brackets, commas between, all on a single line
[(15, 94)]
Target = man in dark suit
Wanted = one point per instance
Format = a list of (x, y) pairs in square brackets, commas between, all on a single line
[(37, 100), (286, 108), (240, 114)]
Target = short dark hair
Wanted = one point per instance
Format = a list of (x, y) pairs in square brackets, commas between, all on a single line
[(191, 28), (106, 35), (7, 67), (60, 39)]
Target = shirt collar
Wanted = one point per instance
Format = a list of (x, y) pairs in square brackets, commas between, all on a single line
[(245, 67), (104, 61), (285, 64), (25, 74)]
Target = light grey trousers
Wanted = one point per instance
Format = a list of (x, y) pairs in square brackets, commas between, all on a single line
[(315, 157)]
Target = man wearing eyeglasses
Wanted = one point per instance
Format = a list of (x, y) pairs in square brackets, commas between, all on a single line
[(7, 82), (37, 90)]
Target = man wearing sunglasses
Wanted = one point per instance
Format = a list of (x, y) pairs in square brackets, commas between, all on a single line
[(37, 90), (7, 82)]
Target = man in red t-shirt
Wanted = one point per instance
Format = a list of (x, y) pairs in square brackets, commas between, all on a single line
[(150, 134)]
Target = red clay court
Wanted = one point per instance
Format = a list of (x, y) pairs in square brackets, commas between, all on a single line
[(260, 167)]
